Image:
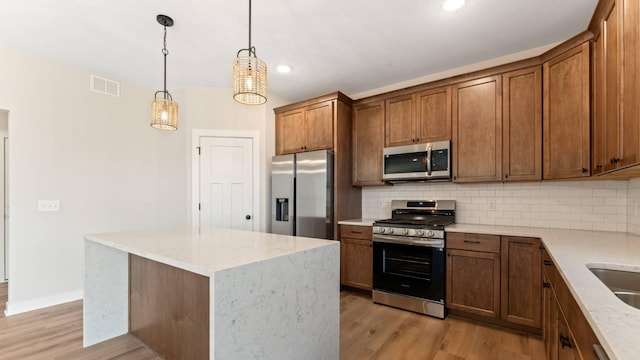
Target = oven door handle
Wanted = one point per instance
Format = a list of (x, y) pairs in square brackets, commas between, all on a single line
[(394, 240)]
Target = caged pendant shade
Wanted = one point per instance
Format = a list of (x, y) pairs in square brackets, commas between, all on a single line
[(164, 111), (249, 75)]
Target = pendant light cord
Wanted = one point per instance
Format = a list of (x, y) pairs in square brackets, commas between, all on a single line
[(250, 50), (165, 52)]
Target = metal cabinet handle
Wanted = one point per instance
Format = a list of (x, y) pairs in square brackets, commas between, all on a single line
[(547, 262), (546, 285), (584, 170), (356, 232), (248, 217), (429, 160), (565, 341), (472, 242)]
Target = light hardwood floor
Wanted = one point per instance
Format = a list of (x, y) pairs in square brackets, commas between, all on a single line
[(372, 331), (367, 331)]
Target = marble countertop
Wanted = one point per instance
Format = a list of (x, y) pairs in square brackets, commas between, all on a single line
[(357, 222), (208, 250), (616, 324)]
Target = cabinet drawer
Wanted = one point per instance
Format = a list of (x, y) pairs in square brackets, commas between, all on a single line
[(473, 242), (356, 232)]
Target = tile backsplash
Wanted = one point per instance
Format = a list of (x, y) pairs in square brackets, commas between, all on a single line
[(584, 205), (633, 206)]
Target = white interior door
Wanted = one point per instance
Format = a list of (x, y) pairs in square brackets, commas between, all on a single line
[(226, 182)]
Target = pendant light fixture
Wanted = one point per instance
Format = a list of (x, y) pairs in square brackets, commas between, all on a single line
[(249, 75), (164, 111)]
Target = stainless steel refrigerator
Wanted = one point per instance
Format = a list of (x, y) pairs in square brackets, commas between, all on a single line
[(302, 194)]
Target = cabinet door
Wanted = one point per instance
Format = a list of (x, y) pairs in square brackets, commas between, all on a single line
[(522, 124), (356, 263), (473, 282), (630, 112), (597, 125), (433, 115), (477, 130), (292, 130), (611, 83), (399, 121), (550, 321), (521, 280), (566, 344), (368, 141), (319, 126), (566, 134)]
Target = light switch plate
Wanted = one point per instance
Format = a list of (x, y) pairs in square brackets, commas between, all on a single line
[(49, 205), (492, 205)]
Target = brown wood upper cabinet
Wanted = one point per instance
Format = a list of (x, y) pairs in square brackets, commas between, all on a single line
[(477, 130), (418, 118), (305, 129), (616, 109), (566, 115), (522, 124), (368, 141)]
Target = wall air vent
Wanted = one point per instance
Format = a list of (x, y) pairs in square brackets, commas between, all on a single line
[(104, 86)]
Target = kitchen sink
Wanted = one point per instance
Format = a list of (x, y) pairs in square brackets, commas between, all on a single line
[(624, 284), (631, 298)]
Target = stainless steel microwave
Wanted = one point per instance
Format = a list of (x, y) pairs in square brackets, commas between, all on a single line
[(417, 162)]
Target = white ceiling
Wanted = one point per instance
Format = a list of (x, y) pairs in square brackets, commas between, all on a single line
[(347, 45)]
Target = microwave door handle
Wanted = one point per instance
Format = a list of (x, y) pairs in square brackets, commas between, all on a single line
[(429, 160)]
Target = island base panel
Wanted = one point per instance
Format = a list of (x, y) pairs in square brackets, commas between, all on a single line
[(284, 308), (105, 307), (169, 309)]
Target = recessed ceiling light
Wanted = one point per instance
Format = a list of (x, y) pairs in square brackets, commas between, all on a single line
[(283, 69), (451, 5)]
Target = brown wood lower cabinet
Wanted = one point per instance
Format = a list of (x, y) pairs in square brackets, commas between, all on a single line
[(521, 280), (473, 282), (567, 334), (356, 258), (495, 279)]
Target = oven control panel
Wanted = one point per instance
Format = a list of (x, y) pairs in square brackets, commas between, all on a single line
[(411, 232)]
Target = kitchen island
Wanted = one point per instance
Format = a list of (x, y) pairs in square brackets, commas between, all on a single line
[(214, 293)]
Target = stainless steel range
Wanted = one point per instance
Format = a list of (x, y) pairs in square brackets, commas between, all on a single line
[(409, 256)]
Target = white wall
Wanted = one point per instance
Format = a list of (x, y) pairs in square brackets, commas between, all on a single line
[(96, 154), (4, 133), (584, 205)]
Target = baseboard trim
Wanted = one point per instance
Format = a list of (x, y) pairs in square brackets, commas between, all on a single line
[(43, 302)]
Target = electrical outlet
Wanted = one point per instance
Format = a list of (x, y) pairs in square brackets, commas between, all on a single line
[(49, 205), (635, 208), (492, 205)]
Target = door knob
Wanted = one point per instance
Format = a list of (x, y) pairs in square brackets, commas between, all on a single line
[(248, 217)]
